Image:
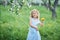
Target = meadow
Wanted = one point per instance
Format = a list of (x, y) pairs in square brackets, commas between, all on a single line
[(15, 27)]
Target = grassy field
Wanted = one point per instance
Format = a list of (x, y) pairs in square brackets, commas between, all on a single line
[(13, 27)]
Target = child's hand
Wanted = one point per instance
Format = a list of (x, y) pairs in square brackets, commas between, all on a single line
[(42, 21), (36, 28), (41, 24)]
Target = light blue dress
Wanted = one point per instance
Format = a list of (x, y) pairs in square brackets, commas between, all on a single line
[(33, 34)]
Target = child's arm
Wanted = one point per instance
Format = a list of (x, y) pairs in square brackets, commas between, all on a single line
[(41, 23), (33, 25)]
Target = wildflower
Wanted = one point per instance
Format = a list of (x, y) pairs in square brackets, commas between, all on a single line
[(42, 19)]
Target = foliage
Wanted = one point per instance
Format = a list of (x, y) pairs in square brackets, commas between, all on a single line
[(13, 27)]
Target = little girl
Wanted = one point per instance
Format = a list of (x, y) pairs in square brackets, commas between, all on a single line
[(33, 33)]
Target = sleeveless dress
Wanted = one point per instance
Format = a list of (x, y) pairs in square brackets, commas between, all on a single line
[(33, 34)]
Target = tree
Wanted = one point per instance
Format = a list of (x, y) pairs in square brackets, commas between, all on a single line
[(51, 7)]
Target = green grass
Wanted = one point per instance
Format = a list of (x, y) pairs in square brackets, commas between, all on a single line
[(15, 27)]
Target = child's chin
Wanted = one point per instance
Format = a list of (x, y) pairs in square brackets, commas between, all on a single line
[(34, 16)]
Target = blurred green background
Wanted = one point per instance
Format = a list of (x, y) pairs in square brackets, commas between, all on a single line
[(14, 23)]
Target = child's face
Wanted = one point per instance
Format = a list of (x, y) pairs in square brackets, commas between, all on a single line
[(35, 14)]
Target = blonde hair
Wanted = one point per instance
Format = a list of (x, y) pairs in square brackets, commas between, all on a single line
[(34, 10)]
